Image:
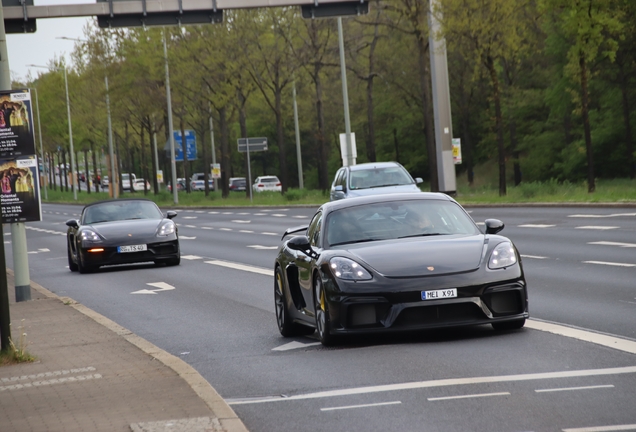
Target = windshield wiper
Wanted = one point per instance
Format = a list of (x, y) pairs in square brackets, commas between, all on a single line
[(356, 241), (423, 235)]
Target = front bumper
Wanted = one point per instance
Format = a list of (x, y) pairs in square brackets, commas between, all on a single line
[(157, 252), (355, 313)]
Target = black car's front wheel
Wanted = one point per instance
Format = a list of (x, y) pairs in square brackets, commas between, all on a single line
[(286, 326), (71, 264), (323, 321), (83, 268)]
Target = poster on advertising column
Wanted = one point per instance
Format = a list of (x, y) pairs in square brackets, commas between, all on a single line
[(20, 192), (16, 123)]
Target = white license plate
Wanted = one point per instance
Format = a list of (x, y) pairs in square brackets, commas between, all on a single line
[(132, 248), (439, 294)]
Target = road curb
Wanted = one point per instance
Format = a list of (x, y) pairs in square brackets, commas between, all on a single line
[(225, 414)]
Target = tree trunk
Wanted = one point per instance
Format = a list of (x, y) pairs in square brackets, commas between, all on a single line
[(280, 133), (243, 127), (86, 175), (591, 187), (65, 171), (184, 146), (95, 183), (371, 137), (515, 152), (225, 153), (429, 128), (490, 64), (628, 128), (323, 149), (396, 146)]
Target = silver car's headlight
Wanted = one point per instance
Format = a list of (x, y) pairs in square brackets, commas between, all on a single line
[(502, 256), (90, 235), (344, 268), (166, 229)]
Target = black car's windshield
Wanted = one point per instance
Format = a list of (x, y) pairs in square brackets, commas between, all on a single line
[(120, 210), (397, 219)]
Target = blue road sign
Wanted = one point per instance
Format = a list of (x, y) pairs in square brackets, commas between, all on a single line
[(191, 146)]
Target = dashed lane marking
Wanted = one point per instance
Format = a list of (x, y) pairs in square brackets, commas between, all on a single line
[(619, 244), (594, 227), (191, 257), (468, 396), (601, 216), (361, 406), (259, 247), (534, 257), (242, 267), (536, 226), (626, 427), (614, 264), (241, 221), (573, 388)]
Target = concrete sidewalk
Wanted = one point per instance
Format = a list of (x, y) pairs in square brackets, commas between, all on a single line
[(91, 374)]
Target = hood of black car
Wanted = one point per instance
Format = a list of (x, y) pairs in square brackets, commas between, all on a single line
[(127, 228), (421, 256)]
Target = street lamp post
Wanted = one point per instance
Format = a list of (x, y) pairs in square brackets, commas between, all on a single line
[(37, 107), (70, 129), (111, 181)]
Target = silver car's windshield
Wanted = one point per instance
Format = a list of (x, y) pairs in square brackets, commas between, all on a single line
[(379, 177), (399, 219)]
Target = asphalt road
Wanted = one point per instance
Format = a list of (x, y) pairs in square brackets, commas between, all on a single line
[(219, 317)]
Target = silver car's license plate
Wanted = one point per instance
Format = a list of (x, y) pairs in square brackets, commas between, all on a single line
[(439, 294), (132, 248)]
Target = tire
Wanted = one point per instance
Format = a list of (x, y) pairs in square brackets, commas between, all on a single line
[(509, 325), (323, 322), (175, 261), (286, 326), (83, 269), (71, 265)]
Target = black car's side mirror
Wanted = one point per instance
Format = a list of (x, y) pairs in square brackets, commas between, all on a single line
[(493, 226), (170, 214), (301, 243), (72, 223)]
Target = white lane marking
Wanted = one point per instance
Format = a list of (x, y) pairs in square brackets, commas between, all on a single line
[(225, 229), (190, 217), (48, 374), (536, 226), (594, 227), (186, 238), (445, 383), (243, 267), (190, 257), (213, 212), (191, 226), (468, 396), (228, 213), (259, 247), (278, 215), (361, 406), (587, 336), (294, 345), (199, 211), (626, 427), (162, 286), (78, 378), (533, 257), (207, 228), (241, 221), (243, 213), (573, 388), (300, 217), (260, 214), (246, 231), (44, 250), (615, 264), (619, 244), (269, 233), (43, 230), (601, 216)]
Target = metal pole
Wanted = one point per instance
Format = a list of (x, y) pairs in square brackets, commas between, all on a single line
[(212, 140), (70, 138), (37, 107), (345, 95), (173, 163), (5, 320), (299, 157), (441, 105), (112, 183)]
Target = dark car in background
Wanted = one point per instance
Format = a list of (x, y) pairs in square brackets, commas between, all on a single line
[(395, 263), (372, 179), (238, 184), (121, 231)]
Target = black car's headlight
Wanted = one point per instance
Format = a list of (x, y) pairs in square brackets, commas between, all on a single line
[(166, 229), (90, 235), (502, 256), (345, 268)]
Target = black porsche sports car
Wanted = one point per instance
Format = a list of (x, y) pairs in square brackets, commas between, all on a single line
[(395, 263), (122, 231)]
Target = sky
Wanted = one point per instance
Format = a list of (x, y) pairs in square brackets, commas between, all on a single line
[(42, 46)]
